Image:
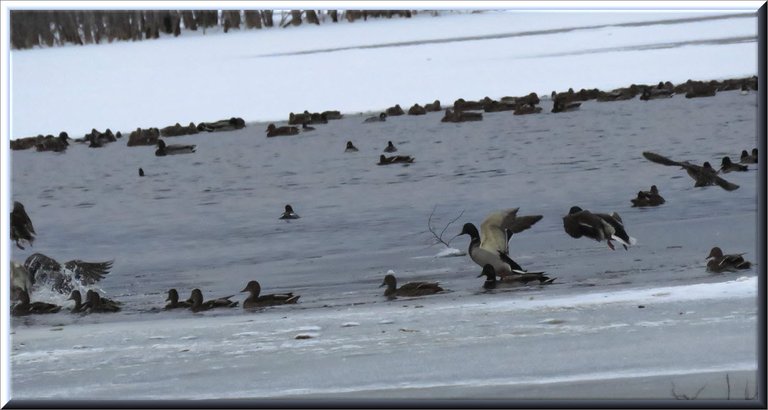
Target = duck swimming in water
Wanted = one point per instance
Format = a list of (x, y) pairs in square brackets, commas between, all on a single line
[(491, 244), (350, 147), (256, 300), (719, 263), (648, 198), (174, 302), (289, 214), (173, 149), (749, 159), (25, 307), (727, 166), (390, 147), (198, 304), (600, 227)]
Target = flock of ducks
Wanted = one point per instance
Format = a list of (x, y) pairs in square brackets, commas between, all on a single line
[(488, 246)]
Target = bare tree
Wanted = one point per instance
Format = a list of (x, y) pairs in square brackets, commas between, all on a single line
[(439, 237)]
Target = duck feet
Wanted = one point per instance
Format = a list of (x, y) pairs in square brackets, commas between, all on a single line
[(610, 245)]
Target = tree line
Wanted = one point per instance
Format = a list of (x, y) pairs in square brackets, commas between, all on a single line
[(32, 28)]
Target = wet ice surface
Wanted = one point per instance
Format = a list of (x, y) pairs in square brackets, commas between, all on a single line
[(209, 220)]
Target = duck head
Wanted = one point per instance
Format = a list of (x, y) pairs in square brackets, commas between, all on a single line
[(707, 165), (288, 209), (754, 152), (382, 159), (726, 161), (716, 252), (383, 116), (271, 127), (574, 209), (390, 144), (161, 144), (471, 230), (654, 190), (389, 281), (744, 154), (173, 296), (196, 298), (76, 297), (254, 287), (350, 145)]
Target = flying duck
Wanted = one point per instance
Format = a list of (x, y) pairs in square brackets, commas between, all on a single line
[(390, 147), (749, 159), (47, 270), (350, 147), (491, 244), (492, 283), (289, 214), (21, 226), (409, 289), (725, 263), (727, 166), (396, 159), (173, 149), (273, 131), (379, 118), (198, 304), (599, 227), (648, 198), (704, 175), (255, 300), (24, 307), (174, 302)]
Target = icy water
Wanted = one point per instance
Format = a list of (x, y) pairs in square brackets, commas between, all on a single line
[(210, 220)]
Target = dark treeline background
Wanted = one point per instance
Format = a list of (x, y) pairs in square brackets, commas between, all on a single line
[(30, 28)]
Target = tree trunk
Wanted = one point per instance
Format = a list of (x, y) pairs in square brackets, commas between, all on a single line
[(252, 19), (312, 17)]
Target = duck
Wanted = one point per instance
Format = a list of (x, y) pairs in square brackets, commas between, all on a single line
[(719, 263), (22, 229), (141, 172), (396, 159), (395, 111), (461, 116), (173, 149), (350, 147), (197, 303), (491, 244), (417, 110), (433, 106), (306, 128), (25, 307), (379, 118), (296, 119), (654, 93), (47, 270), (255, 300), (174, 302), (234, 123), (727, 166), (749, 159), (390, 147), (408, 289), (704, 175), (55, 144), (600, 227), (289, 214), (78, 299), (648, 198), (273, 131), (564, 106), (95, 303), (492, 283)]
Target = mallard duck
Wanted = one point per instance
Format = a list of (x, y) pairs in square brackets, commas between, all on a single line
[(78, 299), (289, 214), (727, 166), (234, 123), (600, 227), (350, 147), (21, 226), (255, 300), (417, 110), (749, 159), (47, 270), (433, 107), (51, 143), (379, 118), (395, 111), (94, 303), (515, 279), (173, 149), (273, 131), (408, 289), (648, 198), (704, 175), (24, 307), (726, 263), (198, 304), (174, 302), (491, 244), (390, 147)]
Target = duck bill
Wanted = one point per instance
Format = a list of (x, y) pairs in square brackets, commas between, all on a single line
[(383, 284), (244, 290)]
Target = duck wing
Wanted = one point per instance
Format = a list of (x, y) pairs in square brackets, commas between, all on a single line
[(493, 230), (419, 288), (728, 186), (88, 273), (659, 159), (617, 225), (585, 223)]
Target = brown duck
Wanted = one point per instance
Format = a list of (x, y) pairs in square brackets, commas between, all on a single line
[(704, 175), (256, 300), (77, 297), (409, 289), (174, 302), (719, 263), (94, 303), (648, 198), (273, 131), (198, 304), (748, 159), (727, 166)]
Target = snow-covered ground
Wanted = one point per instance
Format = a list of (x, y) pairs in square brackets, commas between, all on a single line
[(379, 63), (614, 325)]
